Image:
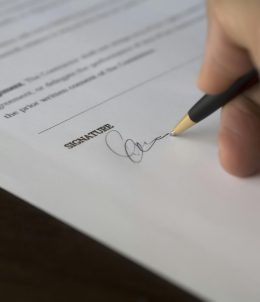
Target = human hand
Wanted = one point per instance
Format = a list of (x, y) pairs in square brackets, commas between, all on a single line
[(233, 48)]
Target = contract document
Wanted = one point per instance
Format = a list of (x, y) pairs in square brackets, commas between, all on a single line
[(89, 91)]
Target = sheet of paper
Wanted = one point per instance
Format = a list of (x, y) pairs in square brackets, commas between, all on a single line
[(83, 86)]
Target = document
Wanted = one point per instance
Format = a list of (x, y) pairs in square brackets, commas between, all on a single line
[(89, 91)]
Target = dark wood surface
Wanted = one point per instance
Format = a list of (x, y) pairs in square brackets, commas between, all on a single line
[(42, 259)]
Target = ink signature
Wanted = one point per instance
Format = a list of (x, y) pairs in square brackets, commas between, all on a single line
[(129, 148)]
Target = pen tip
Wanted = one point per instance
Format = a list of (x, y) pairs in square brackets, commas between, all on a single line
[(172, 133)]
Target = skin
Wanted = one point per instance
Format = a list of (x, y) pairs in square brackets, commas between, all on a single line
[(233, 48)]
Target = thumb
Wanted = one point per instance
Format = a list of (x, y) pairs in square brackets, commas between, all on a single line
[(239, 135)]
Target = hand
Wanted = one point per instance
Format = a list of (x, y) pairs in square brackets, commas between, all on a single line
[(233, 48)]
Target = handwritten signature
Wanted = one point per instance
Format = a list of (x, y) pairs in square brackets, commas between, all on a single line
[(129, 148)]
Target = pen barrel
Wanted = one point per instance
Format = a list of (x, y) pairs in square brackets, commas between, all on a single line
[(210, 103)]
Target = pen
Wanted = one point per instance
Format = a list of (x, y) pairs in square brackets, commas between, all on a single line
[(210, 103)]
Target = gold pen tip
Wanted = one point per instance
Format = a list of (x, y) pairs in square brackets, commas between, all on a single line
[(183, 125)]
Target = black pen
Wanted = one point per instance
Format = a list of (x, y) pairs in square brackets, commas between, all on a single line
[(210, 103)]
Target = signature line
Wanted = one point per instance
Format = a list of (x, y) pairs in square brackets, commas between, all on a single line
[(121, 93)]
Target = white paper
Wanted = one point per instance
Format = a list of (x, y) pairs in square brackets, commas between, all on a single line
[(71, 67)]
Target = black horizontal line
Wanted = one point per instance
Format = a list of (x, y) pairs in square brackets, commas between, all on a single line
[(121, 93)]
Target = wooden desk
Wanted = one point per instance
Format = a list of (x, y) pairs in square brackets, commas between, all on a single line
[(42, 259)]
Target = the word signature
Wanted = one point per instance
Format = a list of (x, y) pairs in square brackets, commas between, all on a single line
[(129, 148)]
